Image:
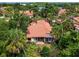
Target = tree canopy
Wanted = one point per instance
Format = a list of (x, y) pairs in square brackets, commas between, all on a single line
[(13, 29)]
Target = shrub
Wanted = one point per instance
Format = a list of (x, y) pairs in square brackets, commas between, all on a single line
[(45, 52), (31, 50)]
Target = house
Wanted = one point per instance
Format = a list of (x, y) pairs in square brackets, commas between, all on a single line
[(2, 11), (62, 11), (27, 13), (76, 22), (39, 31)]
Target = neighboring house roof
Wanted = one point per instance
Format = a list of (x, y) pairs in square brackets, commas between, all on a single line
[(76, 22), (61, 11), (27, 12), (41, 28), (4, 11)]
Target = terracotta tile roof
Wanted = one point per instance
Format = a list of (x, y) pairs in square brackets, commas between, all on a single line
[(41, 28), (61, 11), (76, 22), (27, 12), (76, 18)]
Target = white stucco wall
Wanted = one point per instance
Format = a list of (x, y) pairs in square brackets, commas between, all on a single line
[(33, 40)]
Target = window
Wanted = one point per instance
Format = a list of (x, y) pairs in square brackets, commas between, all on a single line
[(40, 39), (48, 39)]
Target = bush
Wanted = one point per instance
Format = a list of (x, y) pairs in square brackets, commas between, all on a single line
[(14, 44), (31, 50), (72, 50), (45, 52)]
